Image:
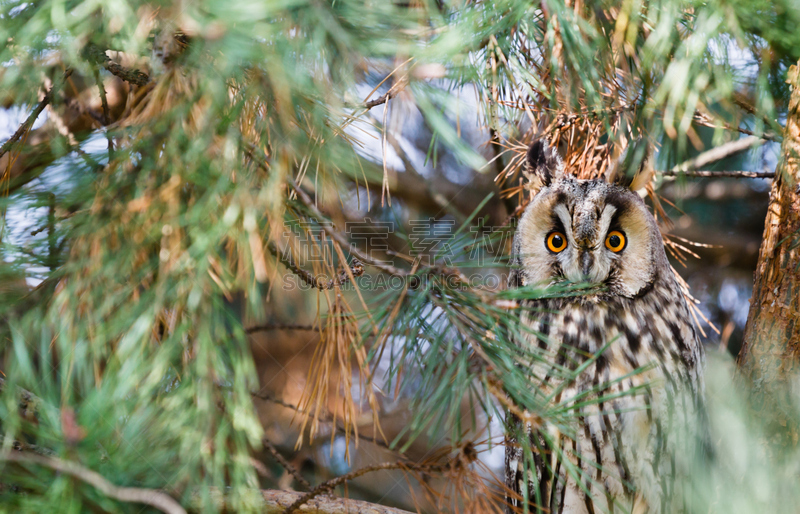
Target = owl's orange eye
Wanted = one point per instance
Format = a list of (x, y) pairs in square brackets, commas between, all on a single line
[(615, 241), (556, 242)]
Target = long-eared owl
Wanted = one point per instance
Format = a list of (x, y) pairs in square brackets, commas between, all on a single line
[(634, 405)]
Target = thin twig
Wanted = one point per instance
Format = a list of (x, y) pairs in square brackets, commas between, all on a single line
[(269, 398), (720, 152), (329, 485), (151, 497), (26, 395), (106, 112), (744, 103), (706, 121), (383, 98), (393, 90), (325, 419), (32, 118), (286, 464), (309, 203), (327, 225), (339, 238), (309, 278), (52, 246), (82, 109), (720, 174), (98, 56), (278, 326)]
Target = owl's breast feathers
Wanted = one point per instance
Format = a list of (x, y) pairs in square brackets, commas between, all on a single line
[(639, 399)]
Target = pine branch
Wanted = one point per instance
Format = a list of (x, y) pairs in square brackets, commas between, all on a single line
[(98, 56), (267, 398), (278, 326), (325, 419), (706, 121), (286, 464), (277, 501), (28, 123), (326, 225), (151, 497), (26, 395), (356, 268), (718, 153), (106, 112), (720, 174), (329, 485), (339, 238), (744, 103), (393, 90), (383, 98)]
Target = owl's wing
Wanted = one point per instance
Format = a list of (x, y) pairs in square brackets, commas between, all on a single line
[(538, 488)]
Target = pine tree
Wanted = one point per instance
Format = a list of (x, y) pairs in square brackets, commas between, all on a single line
[(196, 188)]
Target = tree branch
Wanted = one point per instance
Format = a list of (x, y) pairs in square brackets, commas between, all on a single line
[(286, 464), (277, 501), (335, 422), (106, 113), (151, 497), (339, 238), (98, 56), (329, 229), (26, 395), (28, 123), (720, 174), (383, 98), (278, 326), (744, 103), (329, 485), (356, 268), (718, 153), (325, 223), (706, 121)]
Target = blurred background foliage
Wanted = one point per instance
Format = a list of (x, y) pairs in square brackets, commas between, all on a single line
[(260, 244)]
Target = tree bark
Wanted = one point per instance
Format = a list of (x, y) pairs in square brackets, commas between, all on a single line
[(771, 346), (276, 502)]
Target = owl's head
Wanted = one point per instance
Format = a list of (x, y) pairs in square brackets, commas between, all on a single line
[(585, 231)]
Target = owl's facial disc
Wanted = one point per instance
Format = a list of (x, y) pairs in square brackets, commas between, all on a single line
[(585, 258), (588, 231)]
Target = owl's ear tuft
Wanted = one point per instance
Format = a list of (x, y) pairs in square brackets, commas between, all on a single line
[(633, 168), (544, 163)]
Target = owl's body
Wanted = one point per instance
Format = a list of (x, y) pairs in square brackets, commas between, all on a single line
[(634, 407)]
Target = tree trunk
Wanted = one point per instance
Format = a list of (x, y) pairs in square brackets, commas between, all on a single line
[(771, 347)]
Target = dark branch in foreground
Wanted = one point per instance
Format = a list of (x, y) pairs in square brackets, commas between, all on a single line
[(28, 123), (134, 76), (153, 498), (720, 174)]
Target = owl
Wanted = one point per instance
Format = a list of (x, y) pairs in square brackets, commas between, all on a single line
[(623, 360)]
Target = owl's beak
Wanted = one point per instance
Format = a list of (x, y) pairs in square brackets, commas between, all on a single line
[(587, 261)]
